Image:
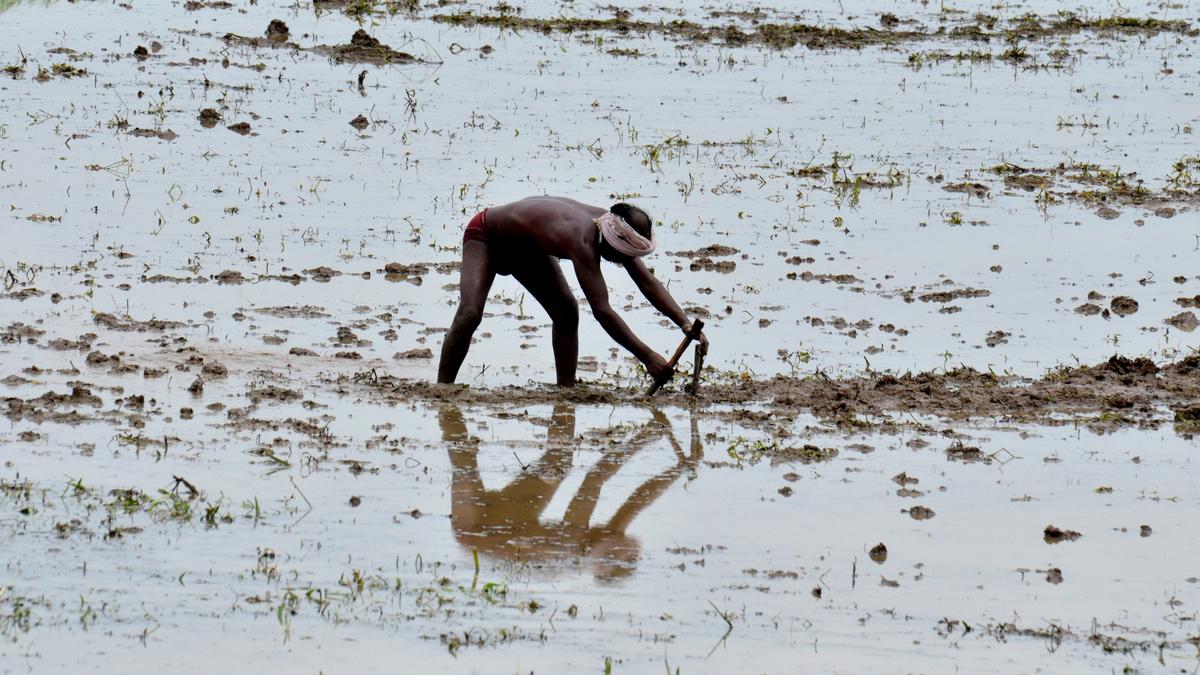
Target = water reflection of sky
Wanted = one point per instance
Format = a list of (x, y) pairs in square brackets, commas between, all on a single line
[(308, 190)]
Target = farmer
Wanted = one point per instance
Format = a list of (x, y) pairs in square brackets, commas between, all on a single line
[(526, 239)]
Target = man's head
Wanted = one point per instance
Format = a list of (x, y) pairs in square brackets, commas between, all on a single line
[(638, 219)]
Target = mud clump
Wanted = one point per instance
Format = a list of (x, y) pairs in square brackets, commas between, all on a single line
[(362, 39), (98, 358), (967, 453), (1055, 535), (920, 513), (277, 31), (1184, 321), (1088, 309), (293, 312), (345, 336), (20, 332), (274, 36), (878, 553), (707, 264), (365, 49), (830, 278), (1190, 414), (82, 344), (1028, 182), (161, 134), (950, 296), (710, 251), (141, 53), (273, 393), (129, 324), (405, 270), (395, 272), (209, 118), (974, 189), (424, 353), (44, 408), (1125, 366), (322, 274), (1123, 305)]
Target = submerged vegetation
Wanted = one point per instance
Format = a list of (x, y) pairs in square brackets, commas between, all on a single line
[(1092, 183)]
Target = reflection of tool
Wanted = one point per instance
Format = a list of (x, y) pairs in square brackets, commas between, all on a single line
[(692, 334), (697, 366)]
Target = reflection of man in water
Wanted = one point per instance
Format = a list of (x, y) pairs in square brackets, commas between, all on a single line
[(506, 522)]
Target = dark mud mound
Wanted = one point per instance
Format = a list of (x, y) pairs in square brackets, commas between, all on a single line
[(786, 35), (1119, 392), (362, 48), (277, 31), (365, 49), (1126, 366)]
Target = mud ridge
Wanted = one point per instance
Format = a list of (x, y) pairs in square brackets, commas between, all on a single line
[(1118, 392)]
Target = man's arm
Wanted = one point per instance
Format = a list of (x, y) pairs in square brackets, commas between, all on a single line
[(596, 291), (659, 297)]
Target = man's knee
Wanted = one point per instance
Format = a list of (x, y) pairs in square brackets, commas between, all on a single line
[(566, 315), (467, 318)]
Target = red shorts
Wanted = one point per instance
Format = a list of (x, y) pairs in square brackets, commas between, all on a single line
[(477, 228)]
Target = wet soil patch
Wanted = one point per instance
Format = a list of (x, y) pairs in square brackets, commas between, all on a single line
[(1144, 389), (788, 35)]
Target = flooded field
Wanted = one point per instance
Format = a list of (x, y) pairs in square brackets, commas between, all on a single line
[(947, 254)]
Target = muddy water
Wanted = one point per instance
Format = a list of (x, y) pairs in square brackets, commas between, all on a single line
[(335, 526), (306, 189), (599, 532)]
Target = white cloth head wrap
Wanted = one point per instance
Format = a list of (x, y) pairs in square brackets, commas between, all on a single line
[(621, 236)]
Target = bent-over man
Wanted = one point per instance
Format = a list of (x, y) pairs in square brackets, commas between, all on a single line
[(526, 239)]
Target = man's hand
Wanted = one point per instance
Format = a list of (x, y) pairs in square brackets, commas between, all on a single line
[(687, 327), (658, 369)]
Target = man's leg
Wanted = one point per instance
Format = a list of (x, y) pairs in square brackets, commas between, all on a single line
[(475, 280), (544, 280)]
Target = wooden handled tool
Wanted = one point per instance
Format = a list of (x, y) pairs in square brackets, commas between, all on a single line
[(697, 366), (692, 334)]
